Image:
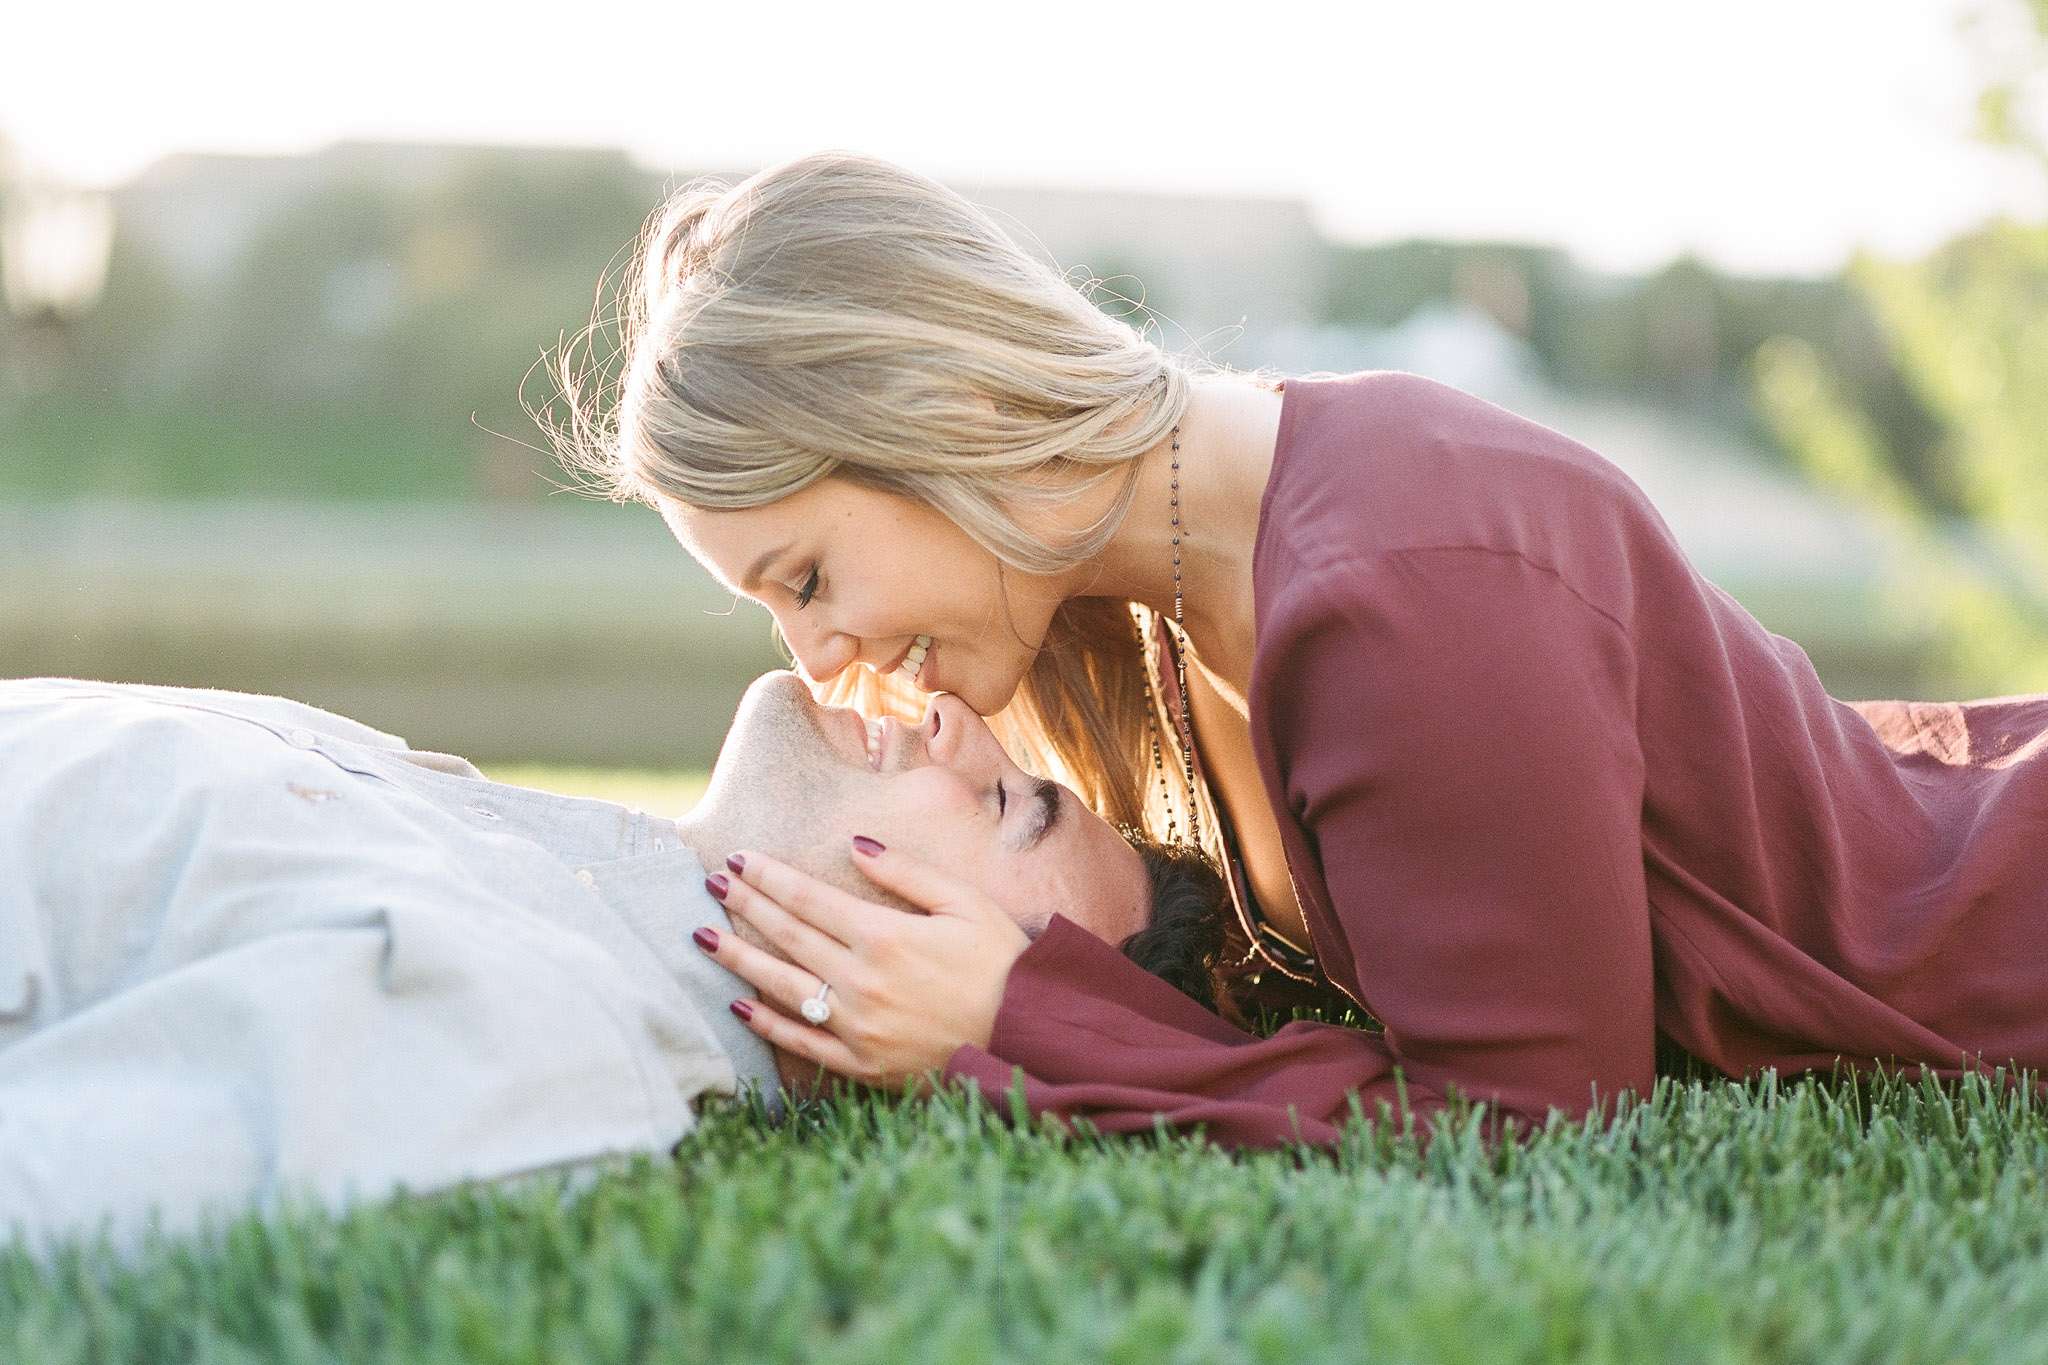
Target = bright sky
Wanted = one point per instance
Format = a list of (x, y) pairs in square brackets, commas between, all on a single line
[(1769, 135)]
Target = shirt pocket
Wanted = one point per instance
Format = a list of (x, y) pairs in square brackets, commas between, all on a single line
[(24, 968)]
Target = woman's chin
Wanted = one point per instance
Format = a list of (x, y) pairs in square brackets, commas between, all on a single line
[(987, 701), (987, 693)]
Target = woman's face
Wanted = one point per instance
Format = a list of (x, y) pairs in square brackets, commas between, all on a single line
[(853, 575)]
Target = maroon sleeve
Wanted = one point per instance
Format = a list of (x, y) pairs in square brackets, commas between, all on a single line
[(1458, 742), (1098, 1037)]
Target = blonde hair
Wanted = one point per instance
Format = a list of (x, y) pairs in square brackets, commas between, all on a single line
[(840, 315)]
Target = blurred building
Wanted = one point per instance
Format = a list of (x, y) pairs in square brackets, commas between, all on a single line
[(1456, 341), (197, 212), (1198, 259), (1202, 261)]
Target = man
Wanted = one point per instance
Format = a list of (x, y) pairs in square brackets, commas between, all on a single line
[(250, 949)]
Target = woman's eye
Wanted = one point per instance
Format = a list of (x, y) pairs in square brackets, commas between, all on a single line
[(1002, 800), (808, 590)]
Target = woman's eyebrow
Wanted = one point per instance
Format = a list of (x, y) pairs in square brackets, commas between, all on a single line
[(1048, 814), (753, 577)]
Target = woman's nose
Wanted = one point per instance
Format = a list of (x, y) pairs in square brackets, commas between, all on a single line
[(823, 654)]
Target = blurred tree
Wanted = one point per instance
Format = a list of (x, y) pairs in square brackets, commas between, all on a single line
[(1119, 287), (2009, 41), (366, 338), (1968, 328), (8, 172), (1378, 286), (1681, 337)]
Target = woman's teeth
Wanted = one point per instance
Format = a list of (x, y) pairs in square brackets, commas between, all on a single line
[(913, 662), (875, 744)]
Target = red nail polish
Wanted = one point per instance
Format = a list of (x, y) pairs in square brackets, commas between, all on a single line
[(736, 863), (863, 844), (717, 885), (707, 938), (744, 1009)]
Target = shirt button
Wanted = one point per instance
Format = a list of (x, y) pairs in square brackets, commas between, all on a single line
[(302, 739), (583, 875)]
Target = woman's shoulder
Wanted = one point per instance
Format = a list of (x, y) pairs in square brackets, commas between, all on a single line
[(1377, 463), (1386, 458)]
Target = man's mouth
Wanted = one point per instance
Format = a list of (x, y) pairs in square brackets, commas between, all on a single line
[(888, 735), (841, 720)]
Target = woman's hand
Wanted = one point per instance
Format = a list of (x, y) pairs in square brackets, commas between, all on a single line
[(907, 989)]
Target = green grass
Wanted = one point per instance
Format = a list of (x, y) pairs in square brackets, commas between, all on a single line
[(1882, 1221), (1715, 1223)]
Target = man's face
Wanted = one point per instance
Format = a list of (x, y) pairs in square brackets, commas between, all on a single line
[(795, 779)]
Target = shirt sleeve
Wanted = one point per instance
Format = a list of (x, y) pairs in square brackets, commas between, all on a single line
[(1454, 732)]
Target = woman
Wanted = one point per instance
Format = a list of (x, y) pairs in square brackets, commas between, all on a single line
[(1486, 754)]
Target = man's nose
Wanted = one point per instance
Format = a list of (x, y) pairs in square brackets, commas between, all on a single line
[(960, 732)]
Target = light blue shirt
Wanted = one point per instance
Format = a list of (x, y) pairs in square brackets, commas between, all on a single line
[(251, 950)]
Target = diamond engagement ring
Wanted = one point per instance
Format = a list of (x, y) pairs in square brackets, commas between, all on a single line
[(815, 1008)]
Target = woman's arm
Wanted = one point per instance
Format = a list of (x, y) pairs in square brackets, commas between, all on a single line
[(1091, 1035), (1455, 732)]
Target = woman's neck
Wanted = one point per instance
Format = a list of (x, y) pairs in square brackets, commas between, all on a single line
[(1227, 437)]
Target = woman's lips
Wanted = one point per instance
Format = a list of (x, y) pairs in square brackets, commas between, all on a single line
[(911, 662)]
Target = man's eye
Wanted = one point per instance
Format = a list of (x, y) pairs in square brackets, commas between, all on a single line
[(1002, 800), (809, 589)]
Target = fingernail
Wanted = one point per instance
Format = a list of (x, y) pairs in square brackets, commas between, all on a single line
[(863, 844), (744, 1009), (717, 885), (736, 863), (707, 938)]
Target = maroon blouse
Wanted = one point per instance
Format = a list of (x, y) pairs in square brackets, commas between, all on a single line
[(1548, 796)]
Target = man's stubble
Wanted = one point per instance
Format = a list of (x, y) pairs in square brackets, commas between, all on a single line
[(779, 786)]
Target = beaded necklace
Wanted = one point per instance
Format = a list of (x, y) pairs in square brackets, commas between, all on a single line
[(1263, 938)]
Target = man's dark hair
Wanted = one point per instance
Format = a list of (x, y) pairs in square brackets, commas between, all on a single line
[(1190, 904)]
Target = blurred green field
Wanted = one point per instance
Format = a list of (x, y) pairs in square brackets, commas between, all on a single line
[(57, 446), (573, 633)]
